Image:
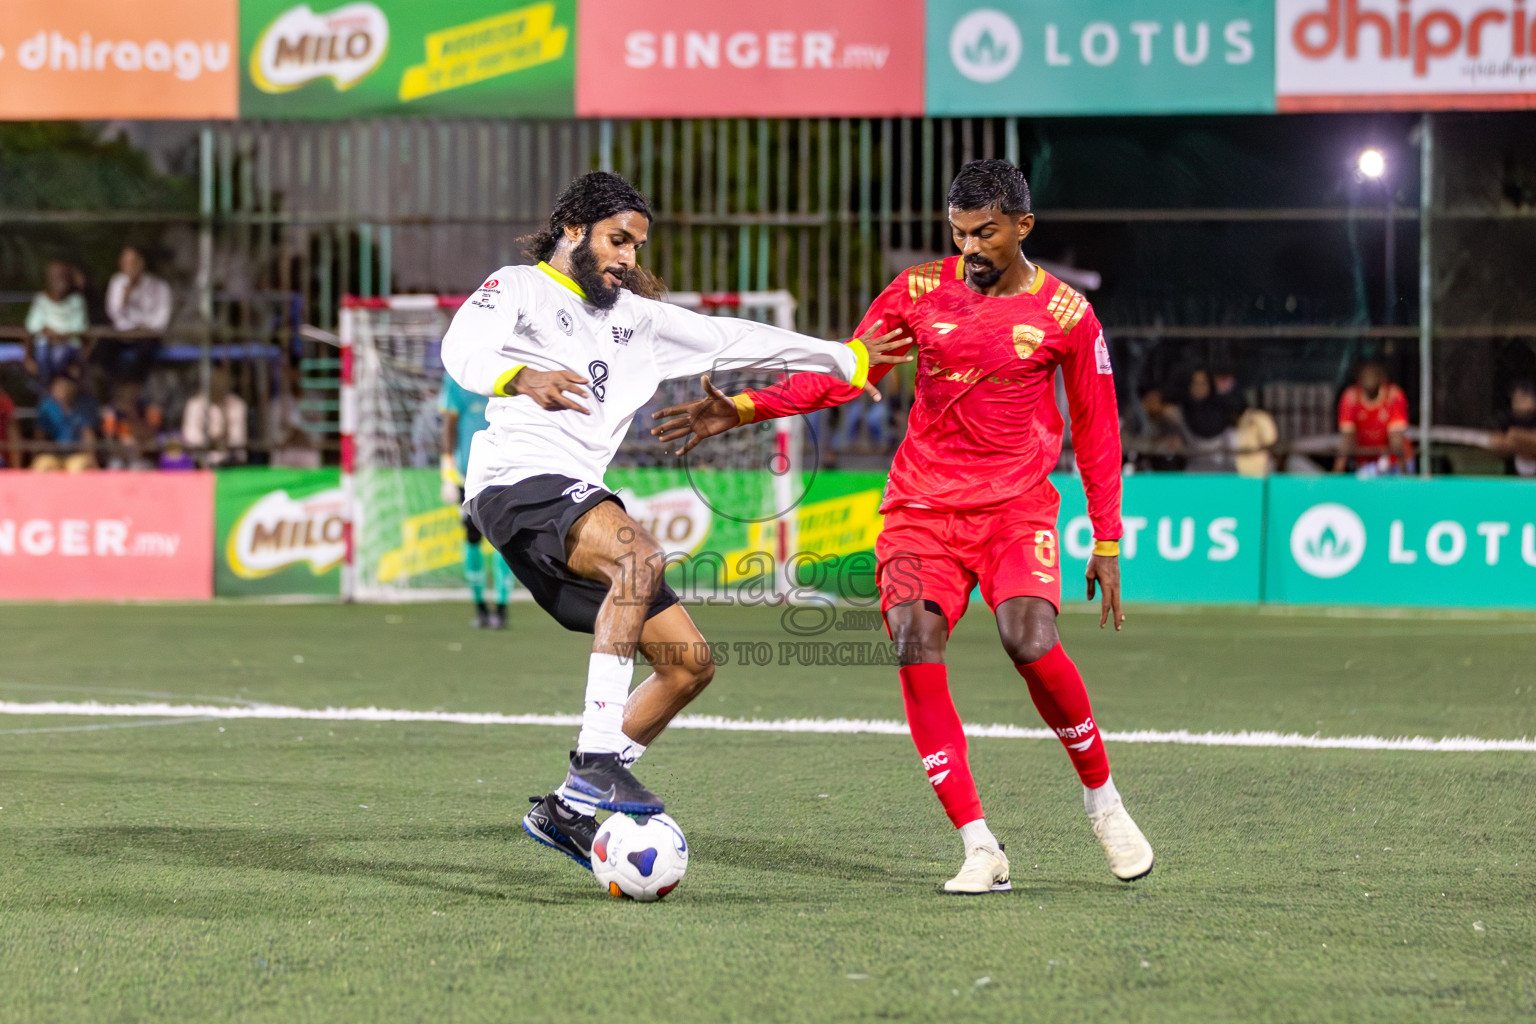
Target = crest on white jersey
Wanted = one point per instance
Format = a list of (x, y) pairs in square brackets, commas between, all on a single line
[(565, 321)]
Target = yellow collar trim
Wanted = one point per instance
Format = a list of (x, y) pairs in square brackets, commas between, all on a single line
[(1039, 280), (561, 279)]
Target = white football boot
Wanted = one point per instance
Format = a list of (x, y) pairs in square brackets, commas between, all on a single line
[(985, 870), (1129, 853)]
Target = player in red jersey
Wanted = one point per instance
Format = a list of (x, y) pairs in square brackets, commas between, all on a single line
[(1373, 418), (969, 502)]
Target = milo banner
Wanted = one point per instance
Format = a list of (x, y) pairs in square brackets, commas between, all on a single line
[(278, 531), (1449, 542), (465, 57)]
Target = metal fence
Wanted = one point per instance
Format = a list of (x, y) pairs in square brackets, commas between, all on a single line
[(292, 215)]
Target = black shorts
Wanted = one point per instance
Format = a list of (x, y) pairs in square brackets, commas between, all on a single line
[(527, 522), (472, 534)]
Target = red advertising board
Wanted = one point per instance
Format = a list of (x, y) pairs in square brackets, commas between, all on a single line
[(106, 536), (702, 58)]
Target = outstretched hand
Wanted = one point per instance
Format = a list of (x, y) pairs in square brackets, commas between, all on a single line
[(1105, 570), (882, 349), (713, 414)]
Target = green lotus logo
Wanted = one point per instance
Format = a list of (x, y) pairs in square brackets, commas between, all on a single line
[(986, 50), (1328, 540), (1328, 545), (985, 45)]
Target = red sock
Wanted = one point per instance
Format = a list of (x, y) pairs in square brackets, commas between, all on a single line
[(1057, 689), (936, 730)]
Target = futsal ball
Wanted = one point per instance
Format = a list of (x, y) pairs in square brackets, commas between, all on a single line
[(639, 858)]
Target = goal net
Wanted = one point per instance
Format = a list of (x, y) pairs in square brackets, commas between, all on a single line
[(733, 496)]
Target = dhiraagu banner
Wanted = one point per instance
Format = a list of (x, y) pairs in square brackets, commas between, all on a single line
[(1193, 538), (471, 57), (1448, 542), (278, 531), (1100, 57)]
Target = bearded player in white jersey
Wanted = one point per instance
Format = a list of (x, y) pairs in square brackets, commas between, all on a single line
[(568, 352)]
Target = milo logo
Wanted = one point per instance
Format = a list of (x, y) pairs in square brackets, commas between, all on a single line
[(300, 46), (279, 531)]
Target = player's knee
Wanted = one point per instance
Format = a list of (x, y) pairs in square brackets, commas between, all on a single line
[(918, 643), (700, 676), (1031, 643), (639, 571)]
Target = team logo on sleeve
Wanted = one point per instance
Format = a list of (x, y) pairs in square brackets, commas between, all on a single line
[(564, 320), (1101, 354), (598, 371)]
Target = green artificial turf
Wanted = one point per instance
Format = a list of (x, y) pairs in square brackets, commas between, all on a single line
[(315, 871)]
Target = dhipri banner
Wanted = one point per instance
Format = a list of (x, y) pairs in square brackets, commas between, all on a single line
[(1100, 57), (701, 58), (1405, 54), (106, 536), (472, 57), (153, 59)]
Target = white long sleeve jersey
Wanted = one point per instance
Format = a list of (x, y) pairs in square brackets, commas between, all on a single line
[(538, 318)]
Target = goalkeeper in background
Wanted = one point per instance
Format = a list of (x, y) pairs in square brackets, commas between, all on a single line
[(463, 415)]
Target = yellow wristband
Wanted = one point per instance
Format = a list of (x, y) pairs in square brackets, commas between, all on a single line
[(1107, 548), (861, 371), (499, 389), (746, 409)]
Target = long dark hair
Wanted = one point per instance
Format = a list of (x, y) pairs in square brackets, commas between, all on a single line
[(585, 201)]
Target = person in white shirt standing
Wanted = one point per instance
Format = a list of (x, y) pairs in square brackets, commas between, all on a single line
[(567, 351), (137, 301)]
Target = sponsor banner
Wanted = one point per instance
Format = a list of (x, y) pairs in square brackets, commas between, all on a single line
[(106, 536), (1100, 57), (701, 58), (151, 59), (1194, 538), (471, 57), (278, 531), (1405, 54), (1446, 543)]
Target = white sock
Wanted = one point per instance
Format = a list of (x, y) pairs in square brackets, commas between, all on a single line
[(1097, 801), (602, 717), (630, 752), (976, 834)]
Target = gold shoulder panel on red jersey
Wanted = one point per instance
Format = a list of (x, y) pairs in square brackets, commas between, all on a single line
[(925, 278), (1068, 307)]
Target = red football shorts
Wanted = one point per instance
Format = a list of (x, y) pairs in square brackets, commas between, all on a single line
[(1011, 550)]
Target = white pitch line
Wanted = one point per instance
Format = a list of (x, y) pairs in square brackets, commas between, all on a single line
[(715, 723)]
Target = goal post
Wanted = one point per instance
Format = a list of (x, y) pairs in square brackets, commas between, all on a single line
[(405, 544)]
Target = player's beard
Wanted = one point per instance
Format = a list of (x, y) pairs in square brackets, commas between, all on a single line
[(590, 276), (982, 272)]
